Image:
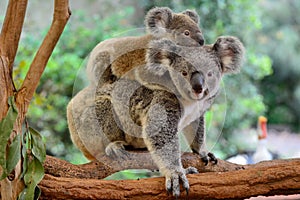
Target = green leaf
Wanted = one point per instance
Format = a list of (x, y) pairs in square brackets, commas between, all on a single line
[(6, 127), (35, 172), (31, 192), (25, 146), (33, 175), (14, 153), (22, 195), (26, 194), (38, 146)]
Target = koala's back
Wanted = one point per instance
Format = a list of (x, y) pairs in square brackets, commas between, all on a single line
[(118, 56)]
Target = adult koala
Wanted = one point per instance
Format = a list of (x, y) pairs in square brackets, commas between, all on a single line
[(171, 93), (113, 58)]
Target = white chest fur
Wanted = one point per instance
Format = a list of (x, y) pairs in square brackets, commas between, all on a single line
[(191, 111)]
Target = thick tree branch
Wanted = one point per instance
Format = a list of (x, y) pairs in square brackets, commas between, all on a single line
[(60, 18), (108, 166), (9, 41), (11, 30), (266, 178)]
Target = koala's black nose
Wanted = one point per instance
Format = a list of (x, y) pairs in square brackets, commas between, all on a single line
[(201, 42), (200, 39), (197, 82)]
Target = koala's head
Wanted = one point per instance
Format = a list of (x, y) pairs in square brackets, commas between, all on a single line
[(182, 28), (195, 72)]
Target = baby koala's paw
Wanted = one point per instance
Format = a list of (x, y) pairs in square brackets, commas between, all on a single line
[(174, 177)]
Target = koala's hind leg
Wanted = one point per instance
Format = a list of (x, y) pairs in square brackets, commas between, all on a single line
[(73, 117), (162, 140), (83, 124), (195, 135), (108, 123)]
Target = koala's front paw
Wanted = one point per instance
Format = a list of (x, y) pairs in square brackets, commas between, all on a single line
[(173, 178), (117, 150), (206, 157)]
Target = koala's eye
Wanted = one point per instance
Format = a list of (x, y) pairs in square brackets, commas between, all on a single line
[(184, 73), (187, 32), (210, 73)]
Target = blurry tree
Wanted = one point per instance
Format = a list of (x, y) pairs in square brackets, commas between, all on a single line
[(280, 38)]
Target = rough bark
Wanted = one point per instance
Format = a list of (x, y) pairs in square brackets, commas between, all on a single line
[(9, 41), (107, 166), (222, 181)]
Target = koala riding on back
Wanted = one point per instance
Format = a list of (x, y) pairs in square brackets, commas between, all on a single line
[(114, 57)]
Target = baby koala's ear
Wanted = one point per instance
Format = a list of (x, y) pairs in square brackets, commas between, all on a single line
[(193, 15), (160, 55), (231, 52), (158, 19)]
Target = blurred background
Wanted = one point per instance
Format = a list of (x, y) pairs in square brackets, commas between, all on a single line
[(268, 85)]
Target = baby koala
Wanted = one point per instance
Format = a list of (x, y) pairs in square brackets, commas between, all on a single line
[(170, 94), (115, 57)]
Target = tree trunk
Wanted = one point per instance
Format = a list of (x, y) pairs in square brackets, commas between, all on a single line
[(9, 40), (222, 181)]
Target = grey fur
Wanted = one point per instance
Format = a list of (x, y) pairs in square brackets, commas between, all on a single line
[(157, 20), (150, 110), (192, 14)]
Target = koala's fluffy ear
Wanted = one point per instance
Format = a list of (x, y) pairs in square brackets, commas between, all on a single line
[(157, 19), (231, 52), (160, 54), (193, 15)]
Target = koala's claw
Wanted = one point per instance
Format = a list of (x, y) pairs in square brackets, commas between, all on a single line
[(205, 160), (209, 157), (172, 181), (213, 158)]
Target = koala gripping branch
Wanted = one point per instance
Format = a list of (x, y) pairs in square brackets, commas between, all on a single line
[(224, 180)]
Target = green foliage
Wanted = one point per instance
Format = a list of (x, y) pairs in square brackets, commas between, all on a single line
[(14, 154), (34, 154), (280, 39), (6, 126)]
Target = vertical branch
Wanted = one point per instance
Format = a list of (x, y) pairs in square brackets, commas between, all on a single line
[(9, 41), (6, 88), (12, 28), (60, 18)]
